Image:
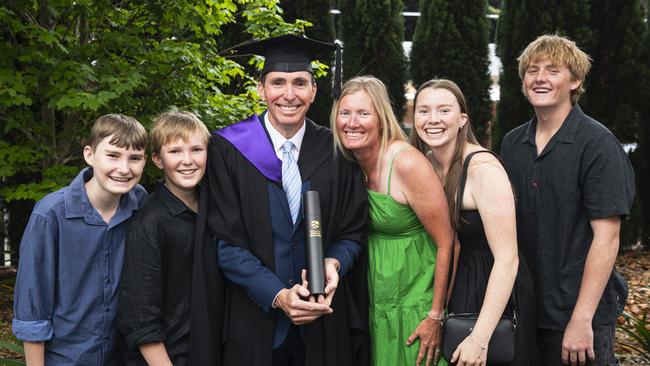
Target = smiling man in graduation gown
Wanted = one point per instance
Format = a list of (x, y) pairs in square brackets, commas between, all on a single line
[(258, 170)]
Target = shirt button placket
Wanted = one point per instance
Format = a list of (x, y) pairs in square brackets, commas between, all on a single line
[(106, 299), (534, 182)]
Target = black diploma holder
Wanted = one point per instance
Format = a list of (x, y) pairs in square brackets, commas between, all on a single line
[(313, 243)]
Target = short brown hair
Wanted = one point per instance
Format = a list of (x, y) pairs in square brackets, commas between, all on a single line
[(171, 126), (125, 132), (560, 50)]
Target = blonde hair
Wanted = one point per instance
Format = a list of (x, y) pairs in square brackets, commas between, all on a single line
[(561, 51), (171, 126), (389, 127), (465, 135), (125, 132)]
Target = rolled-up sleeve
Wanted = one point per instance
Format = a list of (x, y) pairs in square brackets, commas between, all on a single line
[(34, 292)]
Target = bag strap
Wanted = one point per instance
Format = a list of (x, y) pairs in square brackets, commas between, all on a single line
[(512, 301)]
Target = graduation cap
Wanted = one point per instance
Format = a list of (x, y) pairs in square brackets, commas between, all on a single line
[(289, 53)]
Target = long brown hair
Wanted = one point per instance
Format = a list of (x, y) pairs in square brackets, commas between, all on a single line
[(466, 135)]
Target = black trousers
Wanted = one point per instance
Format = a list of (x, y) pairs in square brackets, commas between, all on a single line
[(549, 346), (292, 351)]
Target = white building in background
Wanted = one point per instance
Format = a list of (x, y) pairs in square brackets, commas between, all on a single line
[(495, 68)]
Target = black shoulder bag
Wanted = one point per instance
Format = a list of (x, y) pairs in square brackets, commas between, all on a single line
[(501, 348)]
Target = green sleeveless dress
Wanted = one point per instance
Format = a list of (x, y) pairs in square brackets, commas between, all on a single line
[(401, 265)]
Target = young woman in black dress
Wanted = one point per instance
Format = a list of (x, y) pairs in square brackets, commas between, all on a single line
[(482, 209)]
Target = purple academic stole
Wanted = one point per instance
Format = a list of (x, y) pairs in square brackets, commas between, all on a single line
[(249, 137)]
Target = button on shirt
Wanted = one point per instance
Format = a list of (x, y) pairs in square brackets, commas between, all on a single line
[(69, 274), (581, 175)]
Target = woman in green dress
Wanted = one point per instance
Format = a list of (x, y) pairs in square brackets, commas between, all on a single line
[(410, 236)]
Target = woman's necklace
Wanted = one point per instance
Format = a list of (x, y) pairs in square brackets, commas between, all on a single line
[(365, 176)]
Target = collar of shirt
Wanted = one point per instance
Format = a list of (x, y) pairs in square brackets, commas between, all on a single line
[(173, 203), (567, 131), (77, 203), (278, 140)]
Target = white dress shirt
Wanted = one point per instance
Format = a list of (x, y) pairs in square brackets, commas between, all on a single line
[(278, 140)]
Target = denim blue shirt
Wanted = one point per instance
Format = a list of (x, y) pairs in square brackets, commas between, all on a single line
[(69, 274)]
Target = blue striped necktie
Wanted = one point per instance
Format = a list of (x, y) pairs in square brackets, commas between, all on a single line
[(291, 181)]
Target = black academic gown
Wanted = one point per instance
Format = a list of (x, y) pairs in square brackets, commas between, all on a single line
[(238, 213), (207, 294)]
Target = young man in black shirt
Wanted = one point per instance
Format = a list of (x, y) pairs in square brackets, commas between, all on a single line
[(574, 183), (154, 307)]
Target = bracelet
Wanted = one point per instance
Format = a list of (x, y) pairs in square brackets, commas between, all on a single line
[(431, 315), (483, 348)]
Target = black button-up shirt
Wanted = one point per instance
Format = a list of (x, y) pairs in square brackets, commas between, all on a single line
[(154, 303), (582, 174)]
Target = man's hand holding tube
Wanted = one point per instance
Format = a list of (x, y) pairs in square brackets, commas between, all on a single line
[(298, 303)]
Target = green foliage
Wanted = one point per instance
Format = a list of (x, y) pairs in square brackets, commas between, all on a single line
[(451, 42), (53, 178), (11, 344), (322, 29), (642, 167), (67, 62), (15, 158), (373, 32), (520, 22), (637, 330), (10, 281), (11, 362), (614, 89)]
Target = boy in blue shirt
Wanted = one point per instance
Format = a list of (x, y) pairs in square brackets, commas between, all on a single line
[(72, 251), (154, 309)]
